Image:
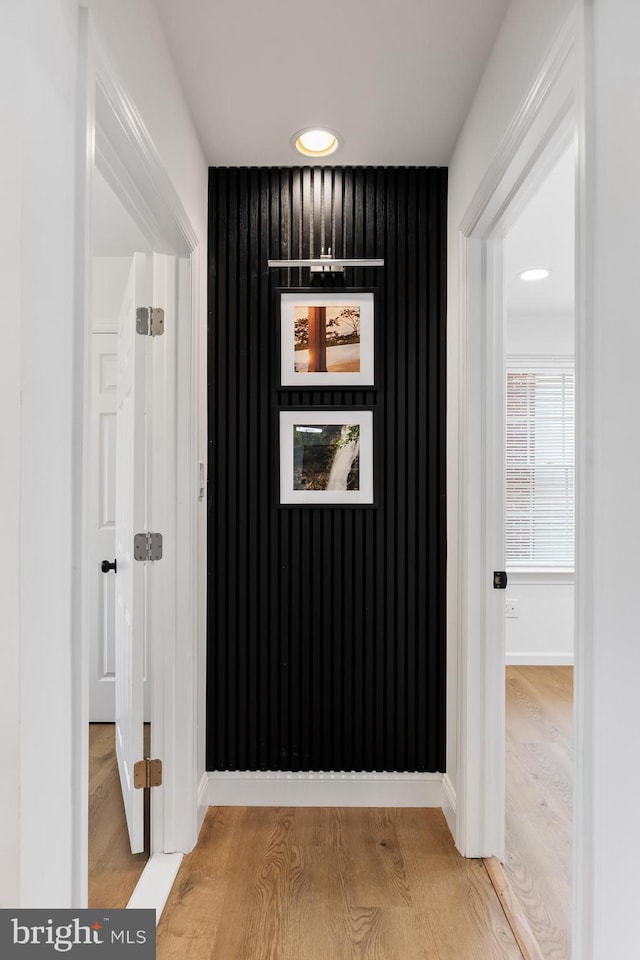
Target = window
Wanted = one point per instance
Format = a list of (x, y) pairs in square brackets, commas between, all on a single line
[(540, 470)]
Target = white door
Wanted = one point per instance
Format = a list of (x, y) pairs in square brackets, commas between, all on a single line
[(103, 526), (102, 530), (130, 519)]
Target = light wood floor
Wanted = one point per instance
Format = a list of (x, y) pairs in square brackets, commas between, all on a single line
[(331, 884), (113, 869), (539, 798), (345, 884)]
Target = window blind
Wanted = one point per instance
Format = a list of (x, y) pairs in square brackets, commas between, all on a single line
[(540, 467)]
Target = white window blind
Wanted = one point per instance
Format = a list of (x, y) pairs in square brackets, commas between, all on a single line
[(540, 469)]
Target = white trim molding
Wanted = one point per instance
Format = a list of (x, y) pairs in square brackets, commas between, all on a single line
[(524, 362), (154, 886), (528, 135), (131, 163), (203, 802), (449, 803), (280, 789), (587, 549), (539, 659), (544, 575)]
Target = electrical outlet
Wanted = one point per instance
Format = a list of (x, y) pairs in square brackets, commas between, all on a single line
[(512, 608)]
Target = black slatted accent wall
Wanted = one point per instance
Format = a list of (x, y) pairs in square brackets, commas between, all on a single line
[(326, 625)]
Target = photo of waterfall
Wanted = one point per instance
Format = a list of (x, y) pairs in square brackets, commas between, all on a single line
[(326, 456)]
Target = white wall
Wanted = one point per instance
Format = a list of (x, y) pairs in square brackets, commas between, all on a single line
[(542, 631), (608, 578), (10, 366), (40, 414), (527, 32), (38, 64), (554, 336), (108, 282)]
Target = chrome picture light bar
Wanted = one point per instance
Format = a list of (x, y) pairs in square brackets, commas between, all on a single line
[(325, 263)]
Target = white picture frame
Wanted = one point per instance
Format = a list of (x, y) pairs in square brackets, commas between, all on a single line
[(342, 351), (326, 456)]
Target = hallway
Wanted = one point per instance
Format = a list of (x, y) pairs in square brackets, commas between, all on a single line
[(331, 884)]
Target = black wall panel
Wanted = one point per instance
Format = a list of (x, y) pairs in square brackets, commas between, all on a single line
[(326, 625)]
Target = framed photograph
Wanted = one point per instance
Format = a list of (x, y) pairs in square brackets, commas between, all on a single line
[(327, 338), (326, 456)]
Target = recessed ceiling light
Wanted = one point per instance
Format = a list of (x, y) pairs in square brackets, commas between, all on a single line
[(539, 273), (315, 141)]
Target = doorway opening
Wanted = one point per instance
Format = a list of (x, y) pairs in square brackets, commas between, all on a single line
[(117, 241), (550, 120), (115, 144), (539, 556)]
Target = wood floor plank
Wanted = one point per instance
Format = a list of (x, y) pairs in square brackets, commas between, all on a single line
[(375, 872), (199, 895), (464, 916), (113, 870), (331, 884), (316, 916), (540, 702), (539, 801)]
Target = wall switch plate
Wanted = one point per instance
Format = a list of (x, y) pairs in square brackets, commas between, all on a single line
[(512, 608)]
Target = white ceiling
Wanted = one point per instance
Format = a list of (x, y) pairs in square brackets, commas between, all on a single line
[(395, 79), (544, 236)]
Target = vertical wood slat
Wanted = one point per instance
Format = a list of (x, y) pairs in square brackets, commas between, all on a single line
[(326, 632)]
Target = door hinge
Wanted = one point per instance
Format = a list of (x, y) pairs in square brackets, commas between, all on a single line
[(147, 546), (147, 773), (150, 321), (499, 580)]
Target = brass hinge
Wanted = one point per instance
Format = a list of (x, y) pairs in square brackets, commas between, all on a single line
[(147, 773)]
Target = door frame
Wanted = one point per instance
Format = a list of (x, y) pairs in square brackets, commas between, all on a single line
[(112, 134), (551, 115)]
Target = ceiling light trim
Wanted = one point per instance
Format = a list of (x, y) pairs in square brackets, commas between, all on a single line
[(334, 144), (533, 274)]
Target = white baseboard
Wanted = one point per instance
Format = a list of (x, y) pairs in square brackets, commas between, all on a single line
[(278, 789), (449, 804), (154, 885), (539, 659), (203, 790)]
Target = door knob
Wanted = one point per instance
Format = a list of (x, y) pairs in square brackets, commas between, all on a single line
[(106, 566)]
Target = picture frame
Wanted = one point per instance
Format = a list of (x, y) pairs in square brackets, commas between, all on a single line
[(327, 338), (326, 456)]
